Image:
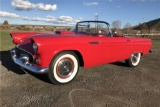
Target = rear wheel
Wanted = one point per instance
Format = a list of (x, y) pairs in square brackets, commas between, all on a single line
[(133, 60), (63, 68)]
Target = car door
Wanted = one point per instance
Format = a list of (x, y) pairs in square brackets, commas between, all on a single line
[(95, 50), (119, 48)]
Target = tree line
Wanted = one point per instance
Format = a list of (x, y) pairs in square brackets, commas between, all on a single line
[(143, 29), (127, 29)]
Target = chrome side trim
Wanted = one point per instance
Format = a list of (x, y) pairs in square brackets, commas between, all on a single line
[(27, 66)]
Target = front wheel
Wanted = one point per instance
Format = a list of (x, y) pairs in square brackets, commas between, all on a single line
[(63, 68), (133, 60)]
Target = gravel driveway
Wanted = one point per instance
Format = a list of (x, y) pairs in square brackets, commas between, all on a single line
[(110, 85)]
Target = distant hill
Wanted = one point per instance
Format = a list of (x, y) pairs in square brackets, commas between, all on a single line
[(153, 24)]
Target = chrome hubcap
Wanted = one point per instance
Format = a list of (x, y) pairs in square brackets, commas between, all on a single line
[(65, 68), (135, 57)]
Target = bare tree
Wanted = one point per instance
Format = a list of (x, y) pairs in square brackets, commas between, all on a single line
[(116, 24), (127, 28), (127, 25), (144, 28), (157, 27)]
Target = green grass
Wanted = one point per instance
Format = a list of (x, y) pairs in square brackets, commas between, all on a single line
[(5, 41), (7, 44), (155, 44)]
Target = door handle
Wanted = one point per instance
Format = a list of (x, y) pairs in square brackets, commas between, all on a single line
[(94, 42), (128, 40)]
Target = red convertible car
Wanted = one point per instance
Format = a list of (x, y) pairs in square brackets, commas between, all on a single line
[(89, 43)]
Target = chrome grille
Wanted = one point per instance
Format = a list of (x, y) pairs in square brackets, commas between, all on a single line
[(20, 51)]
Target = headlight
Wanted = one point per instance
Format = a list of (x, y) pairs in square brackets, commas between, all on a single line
[(35, 47)]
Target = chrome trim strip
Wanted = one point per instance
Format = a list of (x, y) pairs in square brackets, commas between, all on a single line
[(29, 67)]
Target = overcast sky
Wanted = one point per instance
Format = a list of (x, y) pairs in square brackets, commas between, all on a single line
[(51, 12)]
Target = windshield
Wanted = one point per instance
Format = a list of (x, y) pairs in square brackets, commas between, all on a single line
[(92, 28), (73, 29)]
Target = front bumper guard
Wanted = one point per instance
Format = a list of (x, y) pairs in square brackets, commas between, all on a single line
[(26, 65)]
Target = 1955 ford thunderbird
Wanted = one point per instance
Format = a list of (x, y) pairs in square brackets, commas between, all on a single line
[(89, 43)]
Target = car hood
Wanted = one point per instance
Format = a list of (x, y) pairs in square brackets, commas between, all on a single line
[(18, 37), (45, 39)]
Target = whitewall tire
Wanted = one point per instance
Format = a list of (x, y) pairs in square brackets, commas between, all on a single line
[(63, 68), (134, 59)]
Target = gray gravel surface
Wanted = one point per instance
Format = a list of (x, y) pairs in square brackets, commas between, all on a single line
[(110, 85)]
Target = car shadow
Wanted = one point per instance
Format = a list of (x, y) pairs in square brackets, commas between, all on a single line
[(9, 64), (120, 64), (42, 77)]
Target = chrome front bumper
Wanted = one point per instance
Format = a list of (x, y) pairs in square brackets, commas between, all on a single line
[(23, 62)]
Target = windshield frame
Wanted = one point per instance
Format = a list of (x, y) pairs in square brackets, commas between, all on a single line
[(75, 28)]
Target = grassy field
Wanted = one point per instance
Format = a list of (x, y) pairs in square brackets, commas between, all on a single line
[(5, 41), (7, 44)]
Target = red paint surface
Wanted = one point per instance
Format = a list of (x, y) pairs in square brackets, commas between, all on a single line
[(95, 50)]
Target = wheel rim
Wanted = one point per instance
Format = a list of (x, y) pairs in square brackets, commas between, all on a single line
[(65, 68), (135, 58)]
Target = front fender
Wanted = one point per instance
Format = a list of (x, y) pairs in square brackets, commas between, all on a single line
[(20, 36)]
